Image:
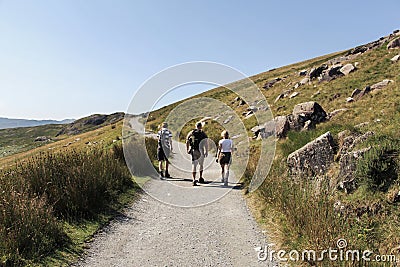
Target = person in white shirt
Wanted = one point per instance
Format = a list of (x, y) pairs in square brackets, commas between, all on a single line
[(224, 156)]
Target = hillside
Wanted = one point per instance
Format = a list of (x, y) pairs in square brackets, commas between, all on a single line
[(351, 100), (16, 140), (6, 123)]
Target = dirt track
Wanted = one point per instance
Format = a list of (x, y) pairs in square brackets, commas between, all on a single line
[(214, 228)]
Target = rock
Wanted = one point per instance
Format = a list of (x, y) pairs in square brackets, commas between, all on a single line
[(282, 126), (316, 72), (249, 116), (346, 69), (394, 44), (242, 102), (349, 142), (248, 113), (42, 139), (271, 83), (280, 96), (228, 119), (348, 163), (315, 94), (359, 49), (294, 94), (296, 85), (304, 81), (334, 96), (349, 99), (303, 73), (314, 158), (308, 125), (395, 58), (237, 98), (334, 70), (355, 92), (309, 111), (336, 112), (380, 85), (252, 108), (366, 90)]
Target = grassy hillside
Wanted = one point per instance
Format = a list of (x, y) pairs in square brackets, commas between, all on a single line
[(296, 214), (16, 140)]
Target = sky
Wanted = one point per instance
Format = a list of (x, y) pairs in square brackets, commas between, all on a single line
[(69, 58)]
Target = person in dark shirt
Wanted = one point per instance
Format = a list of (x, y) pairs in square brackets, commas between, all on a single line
[(164, 148), (197, 146)]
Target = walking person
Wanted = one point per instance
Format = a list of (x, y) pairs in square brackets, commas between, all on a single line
[(164, 149), (197, 146), (224, 156)]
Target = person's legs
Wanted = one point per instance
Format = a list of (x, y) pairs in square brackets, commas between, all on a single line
[(222, 173), (201, 163), (166, 169), (226, 167)]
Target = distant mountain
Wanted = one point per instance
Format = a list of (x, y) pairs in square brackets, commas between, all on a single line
[(6, 123)]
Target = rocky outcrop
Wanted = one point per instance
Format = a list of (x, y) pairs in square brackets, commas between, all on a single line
[(311, 111), (316, 72), (381, 85), (346, 69), (394, 44), (314, 158), (42, 139), (271, 83)]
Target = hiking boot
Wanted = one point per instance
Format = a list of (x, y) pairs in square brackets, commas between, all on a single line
[(161, 175), (222, 179), (195, 183), (167, 175), (201, 180)]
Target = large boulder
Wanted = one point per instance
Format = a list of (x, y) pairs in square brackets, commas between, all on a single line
[(282, 126), (348, 164), (316, 72), (346, 69), (309, 111), (394, 43), (314, 158)]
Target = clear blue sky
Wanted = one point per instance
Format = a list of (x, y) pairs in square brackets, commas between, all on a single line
[(69, 58)]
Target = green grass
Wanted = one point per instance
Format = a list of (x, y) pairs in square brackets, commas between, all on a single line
[(301, 214)]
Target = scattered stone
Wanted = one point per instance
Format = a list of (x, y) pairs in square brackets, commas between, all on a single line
[(271, 83), (356, 64), (280, 107), (315, 94), (294, 94), (355, 92), (280, 96), (42, 139), (248, 113), (228, 119), (380, 85), (237, 98), (242, 102), (314, 158), (335, 96), (394, 44), (296, 85), (252, 108), (346, 69), (395, 58), (249, 116), (304, 81), (336, 112), (349, 99), (303, 73), (363, 124)]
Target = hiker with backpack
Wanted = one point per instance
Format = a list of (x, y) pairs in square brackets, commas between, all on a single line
[(164, 148), (197, 147), (224, 156)]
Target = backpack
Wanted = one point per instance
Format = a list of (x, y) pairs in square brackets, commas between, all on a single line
[(196, 138)]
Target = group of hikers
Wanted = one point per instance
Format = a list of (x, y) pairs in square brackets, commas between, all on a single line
[(197, 147)]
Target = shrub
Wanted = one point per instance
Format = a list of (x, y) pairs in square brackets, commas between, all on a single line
[(380, 165), (28, 229)]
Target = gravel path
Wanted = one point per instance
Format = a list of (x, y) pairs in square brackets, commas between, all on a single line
[(176, 224)]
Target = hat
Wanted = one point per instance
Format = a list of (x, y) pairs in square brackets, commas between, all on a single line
[(199, 125), (165, 124)]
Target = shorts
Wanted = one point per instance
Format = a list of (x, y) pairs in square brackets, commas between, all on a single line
[(225, 158), (162, 155), (197, 157)]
